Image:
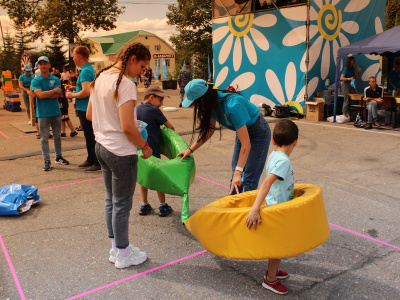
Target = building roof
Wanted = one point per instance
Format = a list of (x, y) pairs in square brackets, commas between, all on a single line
[(110, 44)]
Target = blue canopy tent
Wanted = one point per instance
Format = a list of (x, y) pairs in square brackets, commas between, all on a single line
[(385, 43)]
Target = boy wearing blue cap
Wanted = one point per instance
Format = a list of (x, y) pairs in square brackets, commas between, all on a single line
[(24, 82), (47, 89)]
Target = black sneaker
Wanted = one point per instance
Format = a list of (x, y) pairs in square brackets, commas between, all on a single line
[(145, 209), (47, 165), (50, 136), (368, 126), (165, 210), (63, 134), (62, 160), (73, 133)]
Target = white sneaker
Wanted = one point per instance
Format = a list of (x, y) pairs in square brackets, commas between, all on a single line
[(134, 258), (114, 253)]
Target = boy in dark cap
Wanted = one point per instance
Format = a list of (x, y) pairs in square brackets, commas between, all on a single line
[(150, 113)]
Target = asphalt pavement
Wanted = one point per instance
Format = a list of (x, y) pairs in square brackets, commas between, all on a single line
[(59, 248)]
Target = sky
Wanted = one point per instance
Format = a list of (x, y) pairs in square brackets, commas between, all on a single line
[(149, 15)]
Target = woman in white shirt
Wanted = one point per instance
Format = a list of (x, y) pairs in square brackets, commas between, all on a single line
[(112, 110)]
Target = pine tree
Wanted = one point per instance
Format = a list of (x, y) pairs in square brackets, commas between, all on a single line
[(56, 54), (8, 58), (22, 40)]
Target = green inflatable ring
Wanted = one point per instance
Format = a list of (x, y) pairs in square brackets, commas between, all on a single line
[(173, 176)]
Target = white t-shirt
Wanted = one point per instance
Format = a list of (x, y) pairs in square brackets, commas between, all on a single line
[(106, 122), (65, 76)]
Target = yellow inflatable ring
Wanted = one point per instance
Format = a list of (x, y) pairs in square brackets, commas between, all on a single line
[(287, 229)]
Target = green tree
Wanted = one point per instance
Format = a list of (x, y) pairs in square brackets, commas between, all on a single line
[(55, 53), (63, 18), (392, 14), (8, 59), (22, 40), (193, 22)]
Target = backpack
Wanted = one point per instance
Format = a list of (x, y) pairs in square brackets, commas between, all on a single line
[(282, 111)]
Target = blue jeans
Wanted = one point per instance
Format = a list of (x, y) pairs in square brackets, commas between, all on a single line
[(55, 123), (260, 138), (119, 175), (89, 137), (372, 107)]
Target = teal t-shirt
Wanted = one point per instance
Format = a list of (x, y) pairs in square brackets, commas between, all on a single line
[(348, 73), (395, 77), (85, 74), (282, 189), (236, 111), (26, 79), (48, 107)]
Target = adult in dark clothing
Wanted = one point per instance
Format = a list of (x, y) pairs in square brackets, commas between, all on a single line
[(373, 95)]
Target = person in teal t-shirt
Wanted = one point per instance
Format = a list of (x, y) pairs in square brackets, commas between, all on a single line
[(47, 89), (236, 113), (276, 188), (86, 76), (24, 82), (347, 75)]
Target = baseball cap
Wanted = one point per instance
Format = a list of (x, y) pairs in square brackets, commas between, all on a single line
[(194, 90), (45, 58), (155, 90), (27, 68), (36, 65)]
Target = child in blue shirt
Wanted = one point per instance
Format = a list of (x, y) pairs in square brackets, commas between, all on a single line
[(276, 188), (150, 113)]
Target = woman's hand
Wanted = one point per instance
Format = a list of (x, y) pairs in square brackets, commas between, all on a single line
[(184, 154), (147, 153), (253, 219), (236, 181)]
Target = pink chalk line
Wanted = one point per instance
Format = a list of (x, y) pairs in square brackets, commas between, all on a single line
[(56, 186), (365, 236), (4, 135), (334, 225), (224, 186), (14, 274), (136, 275)]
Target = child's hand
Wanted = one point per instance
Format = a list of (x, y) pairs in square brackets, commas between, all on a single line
[(253, 219)]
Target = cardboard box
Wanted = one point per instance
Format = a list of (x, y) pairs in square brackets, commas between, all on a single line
[(315, 110)]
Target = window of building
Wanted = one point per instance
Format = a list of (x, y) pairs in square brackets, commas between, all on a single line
[(156, 47), (157, 61), (167, 62)]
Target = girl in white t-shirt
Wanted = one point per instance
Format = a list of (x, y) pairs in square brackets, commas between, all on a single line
[(112, 110)]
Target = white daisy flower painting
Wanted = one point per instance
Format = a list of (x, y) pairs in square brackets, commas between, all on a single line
[(263, 54)]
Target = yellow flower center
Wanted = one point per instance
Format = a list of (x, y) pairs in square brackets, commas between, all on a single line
[(329, 22), (241, 25)]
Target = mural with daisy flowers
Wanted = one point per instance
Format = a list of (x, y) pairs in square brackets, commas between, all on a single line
[(263, 54)]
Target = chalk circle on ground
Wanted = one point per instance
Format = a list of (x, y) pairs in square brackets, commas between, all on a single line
[(170, 108), (287, 229)]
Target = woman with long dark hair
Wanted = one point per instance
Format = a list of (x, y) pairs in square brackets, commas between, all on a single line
[(234, 112), (347, 75)]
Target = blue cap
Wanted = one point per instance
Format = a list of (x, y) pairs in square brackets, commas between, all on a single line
[(36, 65), (45, 58), (194, 90), (28, 68)]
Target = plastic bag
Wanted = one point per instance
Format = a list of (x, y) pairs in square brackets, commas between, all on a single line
[(15, 199), (141, 126), (282, 111), (339, 119)]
